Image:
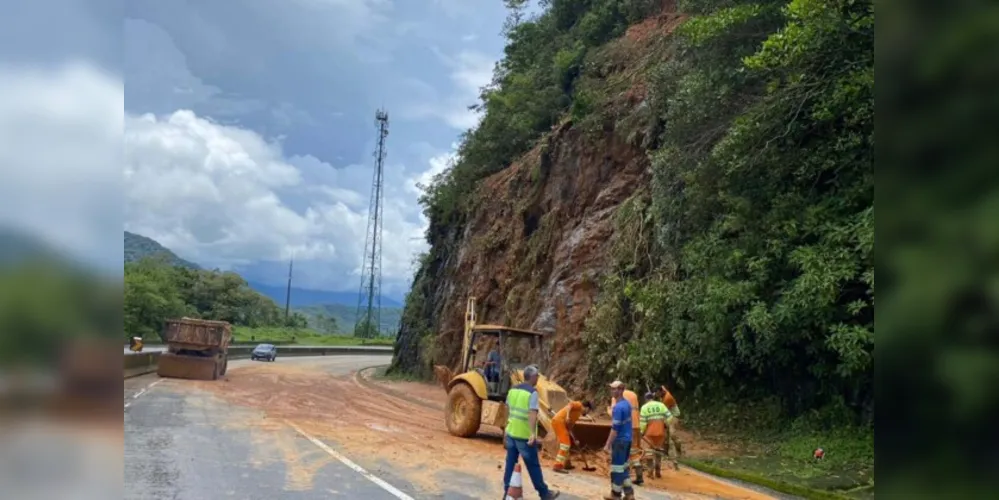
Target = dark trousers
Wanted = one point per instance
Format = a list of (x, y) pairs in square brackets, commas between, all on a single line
[(620, 475), (518, 448)]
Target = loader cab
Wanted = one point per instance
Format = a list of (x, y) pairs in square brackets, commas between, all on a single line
[(513, 347)]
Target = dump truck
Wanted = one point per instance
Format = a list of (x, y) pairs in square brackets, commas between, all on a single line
[(473, 400), (196, 349)]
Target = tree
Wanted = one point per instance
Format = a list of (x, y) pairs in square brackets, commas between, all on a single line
[(327, 324), (156, 290), (365, 329)]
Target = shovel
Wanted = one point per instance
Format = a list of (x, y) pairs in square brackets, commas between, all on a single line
[(586, 465), (582, 455)]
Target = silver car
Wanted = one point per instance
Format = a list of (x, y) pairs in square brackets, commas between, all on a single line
[(264, 351)]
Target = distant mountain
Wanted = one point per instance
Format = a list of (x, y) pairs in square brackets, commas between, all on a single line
[(302, 297), (138, 247), (346, 317)]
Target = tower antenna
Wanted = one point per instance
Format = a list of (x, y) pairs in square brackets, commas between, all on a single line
[(369, 298), (287, 296)]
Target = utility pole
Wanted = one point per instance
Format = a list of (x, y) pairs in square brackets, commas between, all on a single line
[(369, 299), (287, 296)]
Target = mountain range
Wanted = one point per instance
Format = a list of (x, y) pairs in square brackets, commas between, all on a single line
[(138, 247)]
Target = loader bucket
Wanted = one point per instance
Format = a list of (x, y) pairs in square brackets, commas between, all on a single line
[(591, 435), (189, 367)]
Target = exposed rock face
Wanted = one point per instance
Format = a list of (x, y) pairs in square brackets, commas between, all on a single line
[(534, 248)]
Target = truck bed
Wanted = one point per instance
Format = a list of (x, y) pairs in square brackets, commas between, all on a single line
[(197, 333)]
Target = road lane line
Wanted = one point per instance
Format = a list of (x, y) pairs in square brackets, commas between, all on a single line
[(357, 468), (141, 392)]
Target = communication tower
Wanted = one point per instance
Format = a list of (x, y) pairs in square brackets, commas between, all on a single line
[(369, 298)]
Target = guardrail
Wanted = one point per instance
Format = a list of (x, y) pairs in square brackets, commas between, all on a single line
[(139, 363)]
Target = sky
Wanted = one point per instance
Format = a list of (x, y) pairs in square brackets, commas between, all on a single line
[(248, 127)]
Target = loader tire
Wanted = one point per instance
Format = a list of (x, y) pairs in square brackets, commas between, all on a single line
[(464, 411)]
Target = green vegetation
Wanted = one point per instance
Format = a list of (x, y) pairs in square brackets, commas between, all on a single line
[(138, 247), (299, 336), (532, 88), (344, 318), (745, 271), (779, 452), (156, 290)]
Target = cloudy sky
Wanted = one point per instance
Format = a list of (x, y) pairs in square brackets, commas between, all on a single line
[(249, 130), (248, 125)]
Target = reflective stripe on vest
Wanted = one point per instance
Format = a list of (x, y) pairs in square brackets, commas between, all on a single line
[(518, 401)]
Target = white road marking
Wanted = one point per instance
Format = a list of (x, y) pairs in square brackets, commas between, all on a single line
[(346, 461), (141, 392)]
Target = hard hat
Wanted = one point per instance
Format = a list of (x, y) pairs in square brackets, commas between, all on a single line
[(617, 384)]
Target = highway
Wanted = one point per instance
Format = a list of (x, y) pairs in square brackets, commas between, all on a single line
[(310, 428)]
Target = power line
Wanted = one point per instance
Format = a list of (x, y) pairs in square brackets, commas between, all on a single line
[(369, 298)]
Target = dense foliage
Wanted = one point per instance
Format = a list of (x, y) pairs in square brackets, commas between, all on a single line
[(763, 203), (156, 290), (749, 265), (532, 87)]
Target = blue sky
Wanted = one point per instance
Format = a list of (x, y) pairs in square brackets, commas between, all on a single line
[(249, 126)]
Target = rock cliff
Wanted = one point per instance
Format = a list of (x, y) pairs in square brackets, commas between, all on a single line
[(535, 243)]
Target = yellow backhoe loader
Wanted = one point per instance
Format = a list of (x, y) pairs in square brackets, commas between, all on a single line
[(473, 400)]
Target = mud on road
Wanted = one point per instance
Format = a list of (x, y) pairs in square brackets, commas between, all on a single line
[(401, 425)]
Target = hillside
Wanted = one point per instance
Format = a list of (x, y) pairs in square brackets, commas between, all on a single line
[(303, 297), (346, 317), (138, 247), (677, 193)]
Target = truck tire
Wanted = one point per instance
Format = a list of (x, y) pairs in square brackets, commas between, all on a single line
[(463, 413), (215, 370), (225, 365)]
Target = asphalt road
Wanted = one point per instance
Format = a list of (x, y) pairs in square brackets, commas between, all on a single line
[(183, 442), (178, 446)]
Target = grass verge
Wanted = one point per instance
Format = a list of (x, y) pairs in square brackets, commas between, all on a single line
[(293, 336), (776, 454), (382, 373)]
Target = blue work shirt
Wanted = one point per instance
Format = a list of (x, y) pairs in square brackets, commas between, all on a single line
[(494, 357), (621, 420)]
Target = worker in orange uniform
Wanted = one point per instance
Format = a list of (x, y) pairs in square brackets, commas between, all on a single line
[(671, 422), (562, 423), (635, 458)]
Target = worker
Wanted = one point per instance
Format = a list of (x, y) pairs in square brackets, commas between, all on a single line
[(652, 426), (635, 457), (562, 424), (493, 365), (672, 422), (521, 433), (619, 444)]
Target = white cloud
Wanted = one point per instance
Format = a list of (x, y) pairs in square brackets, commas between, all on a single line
[(60, 151), (470, 71), (438, 164), (224, 196)]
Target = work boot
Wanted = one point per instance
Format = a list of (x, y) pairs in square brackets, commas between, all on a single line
[(612, 496), (552, 495), (658, 472), (639, 477), (560, 471), (629, 496)]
